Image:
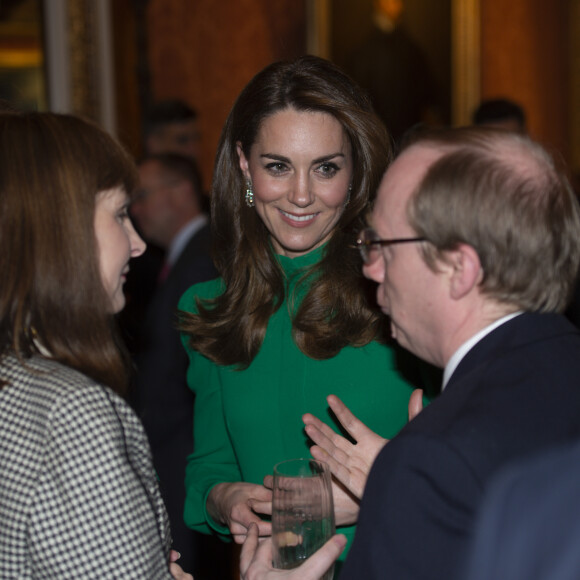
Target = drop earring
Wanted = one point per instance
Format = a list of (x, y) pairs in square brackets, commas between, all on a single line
[(249, 197), (348, 195)]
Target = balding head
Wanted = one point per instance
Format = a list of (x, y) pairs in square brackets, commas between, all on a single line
[(502, 194)]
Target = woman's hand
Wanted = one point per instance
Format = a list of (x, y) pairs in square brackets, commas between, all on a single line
[(256, 559), (346, 506), (175, 569), (236, 505)]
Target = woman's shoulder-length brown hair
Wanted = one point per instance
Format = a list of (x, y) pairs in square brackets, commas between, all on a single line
[(335, 311), (51, 169)]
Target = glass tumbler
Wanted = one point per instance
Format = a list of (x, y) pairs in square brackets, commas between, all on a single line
[(302, 511)]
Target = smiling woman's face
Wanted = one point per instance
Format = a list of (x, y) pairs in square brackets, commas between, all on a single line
[(117, 242), (300, 167)]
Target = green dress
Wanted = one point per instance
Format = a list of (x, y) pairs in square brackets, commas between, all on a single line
[(247, 421)]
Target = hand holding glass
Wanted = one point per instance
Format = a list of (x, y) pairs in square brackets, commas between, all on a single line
[(302, 511)]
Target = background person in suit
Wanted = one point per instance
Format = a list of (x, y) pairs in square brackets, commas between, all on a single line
[(78, 493), (171, 126), (168, 211), (475, 243)]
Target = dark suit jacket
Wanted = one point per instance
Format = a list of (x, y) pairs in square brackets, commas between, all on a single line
[(515, 392), (529, 526), (165, 402)]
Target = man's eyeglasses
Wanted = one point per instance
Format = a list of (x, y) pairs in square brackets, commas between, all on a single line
[(368, 243)]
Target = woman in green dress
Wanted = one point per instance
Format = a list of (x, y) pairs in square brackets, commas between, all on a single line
[(291, 319)]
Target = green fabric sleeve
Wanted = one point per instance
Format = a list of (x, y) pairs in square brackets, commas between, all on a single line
[(214, 460)]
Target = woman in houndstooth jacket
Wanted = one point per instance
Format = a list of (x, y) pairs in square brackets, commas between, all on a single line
[(78, 493)]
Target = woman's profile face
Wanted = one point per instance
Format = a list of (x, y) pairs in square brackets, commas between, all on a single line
[(300, 167), (117, 242)]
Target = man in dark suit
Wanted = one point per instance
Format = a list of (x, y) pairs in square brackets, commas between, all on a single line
[(475, 243), (529, 525), (167, 209)]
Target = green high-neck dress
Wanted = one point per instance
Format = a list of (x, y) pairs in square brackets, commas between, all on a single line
[(247, 421)]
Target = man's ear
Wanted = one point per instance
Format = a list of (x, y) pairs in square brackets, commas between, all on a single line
[(465, 270), (244, 165)]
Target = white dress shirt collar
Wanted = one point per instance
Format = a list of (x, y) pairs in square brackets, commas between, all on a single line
[(182, 238), (469, 344)]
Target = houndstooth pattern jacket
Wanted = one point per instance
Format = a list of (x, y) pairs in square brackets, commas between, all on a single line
[(78, 492)]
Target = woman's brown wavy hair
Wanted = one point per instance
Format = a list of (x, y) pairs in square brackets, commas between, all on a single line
[(51, 169), (336, 310)]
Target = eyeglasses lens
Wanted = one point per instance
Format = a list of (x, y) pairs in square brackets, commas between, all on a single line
[(369, 251)]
